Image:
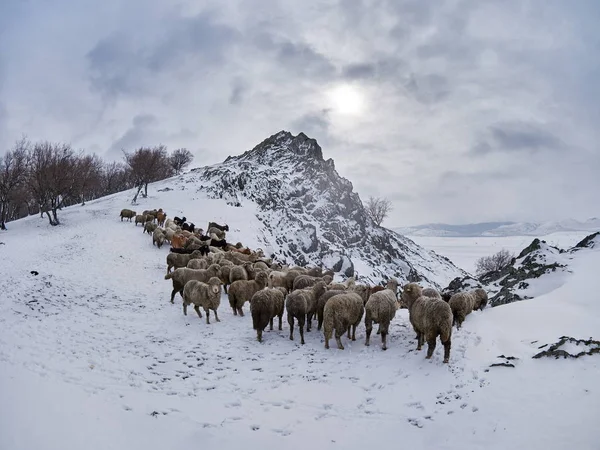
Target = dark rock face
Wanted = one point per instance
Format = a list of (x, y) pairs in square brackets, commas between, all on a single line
[(590, 241), (460, 284), (312, 215)]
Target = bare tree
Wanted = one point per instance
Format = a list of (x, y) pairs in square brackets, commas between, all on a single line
[(52, 177), (116, 177), (88, 173), (180, 159), (13, 175), (378, 209), (497, 261), (148, 164)]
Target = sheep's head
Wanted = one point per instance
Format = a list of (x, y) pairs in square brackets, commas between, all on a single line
[(261, 278), (327, 279), (393, 285), (215, 269), (410, 293), (215, 285), (319, 288)]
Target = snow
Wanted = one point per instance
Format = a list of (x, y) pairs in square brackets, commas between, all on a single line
[(465, 251), (93, 355)]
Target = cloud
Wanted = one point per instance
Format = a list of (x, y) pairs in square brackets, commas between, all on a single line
[(471, 110)]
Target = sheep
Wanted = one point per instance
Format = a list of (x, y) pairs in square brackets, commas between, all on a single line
[(363, 290), (302, 304), (149, 227), (169, 222), (127, 214), (265, 305), (381, 308), (342, 312), (197, 264), (176, 260), (179, 221), (481, 298), (277, 279), (432, 293), (304, 281), (169, 233), (207, 295), (182, 275), (178, 240), (322, 301), (225, 274), (241, 291), (261, 265), (158, 237), (430, 317), (188, 227), (160, 218), (140, 218), (150, 214), (216, 225), (461, 304), (215, 233), (237, 273)]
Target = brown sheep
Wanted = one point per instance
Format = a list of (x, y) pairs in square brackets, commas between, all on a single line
[(241, 291)]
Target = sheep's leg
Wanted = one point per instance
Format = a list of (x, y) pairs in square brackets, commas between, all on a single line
[(369, 327), (319, 321), (197, 309), (430, 347), (384, 340), (184, 308), (353, 332), (349, 331), (291, 323), (447, 346), (259, 335), (225, 287), (207, 312), (240, 311), (216, 315), (308, 321), (419, 340), (280, 322), (327, 337), (301, 322), (271, 324), (173, 296), (338, 339)]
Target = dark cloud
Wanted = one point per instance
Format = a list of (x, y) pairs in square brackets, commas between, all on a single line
[(119, 66), (238, 90), (359, 71), (313, 124), (136, 136), (295, 57), (517, 137)]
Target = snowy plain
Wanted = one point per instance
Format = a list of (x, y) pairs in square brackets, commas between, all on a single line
[(93, 355)]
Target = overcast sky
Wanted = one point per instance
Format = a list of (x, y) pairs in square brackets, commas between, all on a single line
[(457, 111)]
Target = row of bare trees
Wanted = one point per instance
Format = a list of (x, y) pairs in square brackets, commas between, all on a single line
[(44, 177)]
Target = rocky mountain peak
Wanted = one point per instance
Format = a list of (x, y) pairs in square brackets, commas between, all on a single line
[(313, 216)]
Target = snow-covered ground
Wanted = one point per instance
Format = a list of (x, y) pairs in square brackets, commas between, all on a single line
[(465, 251), (93, 355)]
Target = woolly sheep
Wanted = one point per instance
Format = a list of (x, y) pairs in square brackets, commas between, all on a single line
[(182, 275), (207, 295), (481, 298), (149, 227), (461, 305), (127, 214), (430, 318), (304, 281), (176, 260), (261, 265), (237, 273), (342, 312), (277, 279), (265, 305), (160, 218), (199, 263), (363, 290), (322, 301), (214, 231), (140, 218), (301, 304), (241, 291), (431, 293), (381, 308), (158, 237), (225, 270)]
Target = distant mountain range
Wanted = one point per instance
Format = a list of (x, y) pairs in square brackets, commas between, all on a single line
[(500, 228)]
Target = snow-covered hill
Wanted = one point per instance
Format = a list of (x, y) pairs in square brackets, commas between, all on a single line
[(496, 229), (311, 215), (93, 355)]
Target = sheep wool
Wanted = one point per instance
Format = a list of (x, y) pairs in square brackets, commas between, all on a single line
[(430, 318), (206, 295), (381, 308), (265, 305), (342, 312), (461, 304)]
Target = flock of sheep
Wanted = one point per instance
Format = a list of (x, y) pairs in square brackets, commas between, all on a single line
[(204, 263)]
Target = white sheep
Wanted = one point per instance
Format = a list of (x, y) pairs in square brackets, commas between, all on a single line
[(207, 295)]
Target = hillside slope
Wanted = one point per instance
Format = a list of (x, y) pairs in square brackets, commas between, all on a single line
[(92, 354)]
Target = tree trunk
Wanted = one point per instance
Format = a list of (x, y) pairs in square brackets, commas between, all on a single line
[(54, 221), (136, 194), (145, 190)]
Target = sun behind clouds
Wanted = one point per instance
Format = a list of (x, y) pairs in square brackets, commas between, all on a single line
[(346, 99)]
